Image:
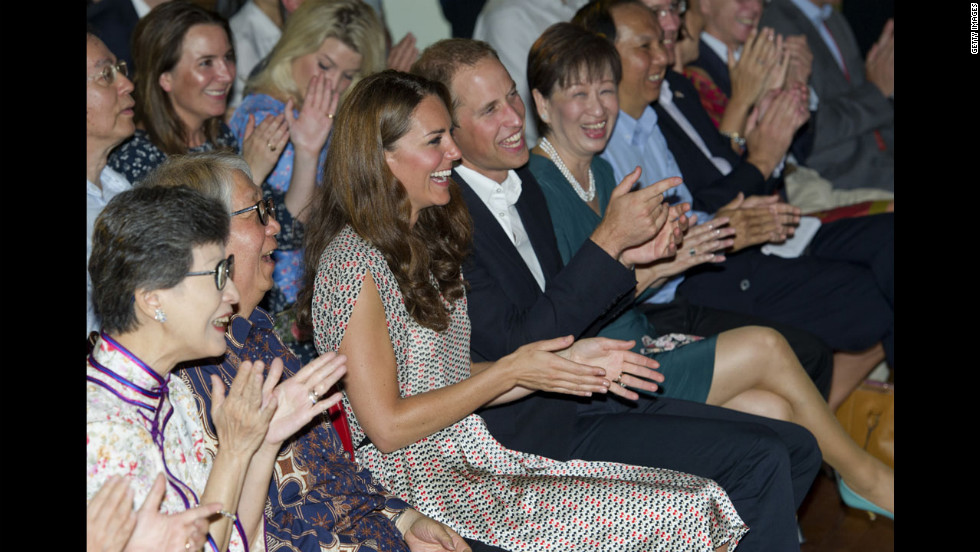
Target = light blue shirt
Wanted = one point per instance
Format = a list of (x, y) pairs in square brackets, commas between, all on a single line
[(640, 143)]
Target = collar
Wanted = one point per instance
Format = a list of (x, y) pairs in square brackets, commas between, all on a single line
[(240, 327), (666, 96), (637, 131), (112, 183), (125, 375), (141, 8), (718, 47), (816, 14), (486, 188)]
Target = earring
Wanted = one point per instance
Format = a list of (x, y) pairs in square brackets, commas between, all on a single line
[(160, 316), (544, 117)]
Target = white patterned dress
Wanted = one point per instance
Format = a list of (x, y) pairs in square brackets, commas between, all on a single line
[(463, 477)]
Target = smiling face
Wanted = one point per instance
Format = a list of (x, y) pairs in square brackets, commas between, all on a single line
[(422, 159), (108, 106), (199, 84), (490, 116), (731, 21), (581, 116), (670, 23), (252, 244), (197, 312), (333, 59), (639, 43)]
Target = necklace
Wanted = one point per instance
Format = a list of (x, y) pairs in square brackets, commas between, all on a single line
[(553, 154)]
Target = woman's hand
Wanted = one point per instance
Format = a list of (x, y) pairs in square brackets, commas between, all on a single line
[(424, 534), (623, 367), (178, 532), (263, 145), (536, 366), (242, 418), (403, 55), (297, 405), (110, 516), (756, 70), (309, 131), (664, 244)]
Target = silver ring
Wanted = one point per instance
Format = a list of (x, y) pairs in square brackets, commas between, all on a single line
[(693, 252), (313, 396)]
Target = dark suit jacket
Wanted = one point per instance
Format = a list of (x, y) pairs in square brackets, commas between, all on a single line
[(113, 21), (710, 188), (717, 69), (507, 309), (845, 149)]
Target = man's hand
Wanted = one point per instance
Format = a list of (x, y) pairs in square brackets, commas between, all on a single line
[(424, 534), (760, 219), (880, 65)]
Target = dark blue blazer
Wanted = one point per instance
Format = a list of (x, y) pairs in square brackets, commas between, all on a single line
[(710, 188), (507, 309)]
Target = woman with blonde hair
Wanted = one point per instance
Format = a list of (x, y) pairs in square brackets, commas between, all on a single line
[(326, 46)]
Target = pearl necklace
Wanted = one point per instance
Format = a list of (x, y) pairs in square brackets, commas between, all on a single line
[(553, 154)]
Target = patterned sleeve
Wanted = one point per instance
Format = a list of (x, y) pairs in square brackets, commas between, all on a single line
[(116, 448), (712, 98), (339, 277)]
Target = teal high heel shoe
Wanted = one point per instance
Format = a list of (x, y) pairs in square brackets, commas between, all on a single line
[(858, 502)]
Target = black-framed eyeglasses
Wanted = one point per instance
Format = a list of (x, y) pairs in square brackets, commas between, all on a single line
[(265, 207), (224, 270), (107, 75)]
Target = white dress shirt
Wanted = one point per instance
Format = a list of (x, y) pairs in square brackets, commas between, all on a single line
[(500, 198)]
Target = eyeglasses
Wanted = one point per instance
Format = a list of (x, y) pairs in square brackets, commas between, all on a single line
[(676, 8), (224, 270), (107, 75), (265, 207)]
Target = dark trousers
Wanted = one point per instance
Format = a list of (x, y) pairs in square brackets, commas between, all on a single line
[(766, 466), (681, 316), (841, 290)]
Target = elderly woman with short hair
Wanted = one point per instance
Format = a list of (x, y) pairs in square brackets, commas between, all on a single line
[(318, 498), (162, 287)]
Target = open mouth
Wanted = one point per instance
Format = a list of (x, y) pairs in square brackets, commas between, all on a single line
[(595, 130), (222, 322), (514, 142), (441, 176)]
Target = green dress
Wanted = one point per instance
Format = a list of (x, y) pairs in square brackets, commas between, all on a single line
[(687, 369)]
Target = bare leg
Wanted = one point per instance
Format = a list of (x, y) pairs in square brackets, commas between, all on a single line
[(850, 369), (753, 359)]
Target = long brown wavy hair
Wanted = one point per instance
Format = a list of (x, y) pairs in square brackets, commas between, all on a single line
[(157, 46), (359, 189)]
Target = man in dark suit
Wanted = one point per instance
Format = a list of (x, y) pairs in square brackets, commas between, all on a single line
[(853, 125), (521, 292)]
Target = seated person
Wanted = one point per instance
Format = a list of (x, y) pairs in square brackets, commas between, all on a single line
[(185, 68), (161, 286), (510, 306), (841, 289), (851, 142), (318, 498), (109, 121), (573, 75)]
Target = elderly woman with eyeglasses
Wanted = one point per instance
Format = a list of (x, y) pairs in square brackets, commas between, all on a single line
[(319, 497), (162, 287)]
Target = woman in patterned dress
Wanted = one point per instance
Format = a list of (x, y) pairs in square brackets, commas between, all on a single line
[(185, 68), (162, 286), (388, 238)]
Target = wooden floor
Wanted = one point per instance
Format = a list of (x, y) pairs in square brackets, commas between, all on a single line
[(829, 526)]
